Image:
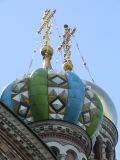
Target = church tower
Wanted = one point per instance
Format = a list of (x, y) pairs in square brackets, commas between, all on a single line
[(67, 117)]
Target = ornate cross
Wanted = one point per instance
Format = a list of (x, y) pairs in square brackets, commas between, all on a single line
[(48, 14), (68, 33)]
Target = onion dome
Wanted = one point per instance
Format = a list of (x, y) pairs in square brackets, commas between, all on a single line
[(92, 111), (109, 110), (46, 95)]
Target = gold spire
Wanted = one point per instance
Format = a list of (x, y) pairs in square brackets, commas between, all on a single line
[(68, 32), (47, 50)]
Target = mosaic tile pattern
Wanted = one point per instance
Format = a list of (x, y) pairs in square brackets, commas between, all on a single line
[(49, 95), (57, 93), (89, 108), (58, 80), (20, 98), (92, 112)]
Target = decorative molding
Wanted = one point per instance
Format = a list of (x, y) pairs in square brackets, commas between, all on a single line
[(64, 132), (109, 130), (16, 133)]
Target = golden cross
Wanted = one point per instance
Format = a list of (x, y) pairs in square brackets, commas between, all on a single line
[(68, 33), (48, 14)]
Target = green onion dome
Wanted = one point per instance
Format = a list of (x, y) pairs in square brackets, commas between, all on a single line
[(45, 95)]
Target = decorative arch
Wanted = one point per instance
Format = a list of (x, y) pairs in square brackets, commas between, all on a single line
[(71, 155), (55, 150), (64, 150)]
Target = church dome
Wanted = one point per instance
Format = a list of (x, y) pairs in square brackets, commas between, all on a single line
[(75, 118), (108, 106), (46, 95), (92, 111)]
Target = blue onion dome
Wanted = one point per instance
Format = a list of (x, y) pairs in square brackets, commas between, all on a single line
[(45, 95)]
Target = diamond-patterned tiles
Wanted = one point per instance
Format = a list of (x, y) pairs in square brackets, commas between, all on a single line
[(29, 119), (56, 116), (86, 117), (17, 98), (57, 105), (57, 80), (23, 110), (18, 86), (58, 93), (25, 94), (20, 99), (53, 91), (89, 108), (57, 97)]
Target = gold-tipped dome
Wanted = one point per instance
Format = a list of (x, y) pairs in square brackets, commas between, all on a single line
[(109, 110)]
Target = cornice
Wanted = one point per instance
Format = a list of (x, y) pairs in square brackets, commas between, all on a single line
[(13, 129), (63, 130)]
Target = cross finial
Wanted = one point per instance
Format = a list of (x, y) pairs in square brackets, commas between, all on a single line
[(48, 14), (68, 33), (47, 50)]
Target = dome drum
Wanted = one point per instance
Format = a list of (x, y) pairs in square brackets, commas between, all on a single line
[(63, 133)]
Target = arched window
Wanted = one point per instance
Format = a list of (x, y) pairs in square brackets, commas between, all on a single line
[(71, 155), (55, 150)]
